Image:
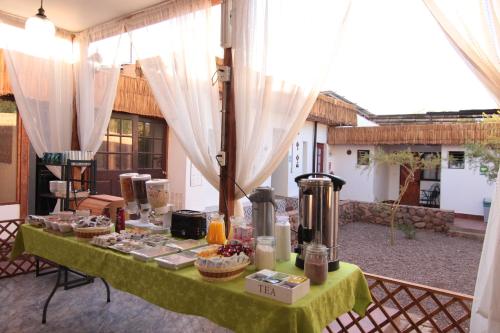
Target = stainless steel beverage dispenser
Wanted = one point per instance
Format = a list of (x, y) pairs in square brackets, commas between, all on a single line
[(318, 215), (263, 211)]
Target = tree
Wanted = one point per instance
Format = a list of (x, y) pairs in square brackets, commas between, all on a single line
[(411, 162), (486, 155)]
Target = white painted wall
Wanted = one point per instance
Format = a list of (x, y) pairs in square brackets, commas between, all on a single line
[(283, 178), (462, 190), (8, 212), (359, 181), (199, 195), (186, 179), (177, 162), (393, 182), (380, 182)]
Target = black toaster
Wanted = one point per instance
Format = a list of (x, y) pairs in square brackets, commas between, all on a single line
[(188, 224)]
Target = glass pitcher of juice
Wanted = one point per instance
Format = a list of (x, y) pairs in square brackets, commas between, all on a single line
[(216, 229)]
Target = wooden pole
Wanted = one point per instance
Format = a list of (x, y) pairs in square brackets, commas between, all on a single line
[(228, 133), (228, 143)]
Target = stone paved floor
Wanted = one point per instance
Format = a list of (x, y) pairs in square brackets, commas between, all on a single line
[(84, 309)]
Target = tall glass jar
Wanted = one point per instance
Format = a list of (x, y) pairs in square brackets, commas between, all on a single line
[(265, 253), (216, 233), (127, 190), (141, 195), (316, 263)]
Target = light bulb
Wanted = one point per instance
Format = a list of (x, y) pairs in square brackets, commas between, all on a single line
[(40, 26)]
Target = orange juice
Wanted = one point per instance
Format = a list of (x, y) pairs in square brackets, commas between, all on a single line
[(216, 230)]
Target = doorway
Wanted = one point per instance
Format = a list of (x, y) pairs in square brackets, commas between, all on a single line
[(412, 194)]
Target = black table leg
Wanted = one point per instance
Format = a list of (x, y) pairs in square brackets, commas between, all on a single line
[(108, 293), (44, 316)]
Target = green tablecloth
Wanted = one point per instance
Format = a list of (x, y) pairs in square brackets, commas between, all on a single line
[(226, 303)]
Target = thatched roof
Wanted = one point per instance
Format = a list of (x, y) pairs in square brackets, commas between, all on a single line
[(333, 112), (134, 95), (450, 133)]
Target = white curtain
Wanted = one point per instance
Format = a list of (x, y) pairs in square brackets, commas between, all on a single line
[(96, 75), (283, 50), (486, 307), (473, 28), (178, 60), (41, 75)]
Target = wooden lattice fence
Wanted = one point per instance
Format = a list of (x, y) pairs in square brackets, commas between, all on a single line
[(404, 307), (23, 264)]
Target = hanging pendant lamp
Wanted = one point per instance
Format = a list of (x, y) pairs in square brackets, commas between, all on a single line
[(39, 24)]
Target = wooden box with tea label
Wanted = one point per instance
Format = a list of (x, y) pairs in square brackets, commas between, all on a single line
[(278, 286)]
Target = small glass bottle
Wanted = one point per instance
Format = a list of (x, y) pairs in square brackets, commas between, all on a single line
[(265, 253), (216, 233), (316, 263)]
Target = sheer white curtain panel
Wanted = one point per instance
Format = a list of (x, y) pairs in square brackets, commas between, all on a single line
[(41, 75), (177, 57), (282, 53), (96, 75), (473, 28), (485, 317)]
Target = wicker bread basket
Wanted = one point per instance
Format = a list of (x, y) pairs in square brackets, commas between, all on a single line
[(213, 274), (86, 234)]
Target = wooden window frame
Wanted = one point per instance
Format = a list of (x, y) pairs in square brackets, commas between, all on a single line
[(135, 141), (359, 155), (450, 160)]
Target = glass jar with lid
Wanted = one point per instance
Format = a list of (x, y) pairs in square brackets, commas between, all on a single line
[(265, 253), (316, 263)]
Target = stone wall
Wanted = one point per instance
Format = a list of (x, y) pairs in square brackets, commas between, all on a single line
[(379, 213)]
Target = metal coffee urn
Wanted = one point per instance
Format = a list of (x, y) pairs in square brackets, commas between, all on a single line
[(318, 215), (263, 211)]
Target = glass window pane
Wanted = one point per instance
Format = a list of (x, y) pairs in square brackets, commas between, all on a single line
[(114, 126), (145, 161), (126, 162), (144, 128), (126, 127), (114, 144), (126, 144), (145, 145), (102, 161), (8, 151), (104, 145), (114, 161), (140, 128), (158, 147), (158, 130), (157, 159), (147, 129)]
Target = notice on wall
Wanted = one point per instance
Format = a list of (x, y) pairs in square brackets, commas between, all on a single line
[(195, 176), (6, 133)]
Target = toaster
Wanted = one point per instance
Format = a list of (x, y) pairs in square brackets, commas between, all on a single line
[(188, 224)]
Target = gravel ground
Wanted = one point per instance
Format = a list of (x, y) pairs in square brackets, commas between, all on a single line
[(432, 259)]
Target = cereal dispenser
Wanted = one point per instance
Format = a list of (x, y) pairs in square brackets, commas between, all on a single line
[(127, 190), (157, 192)]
